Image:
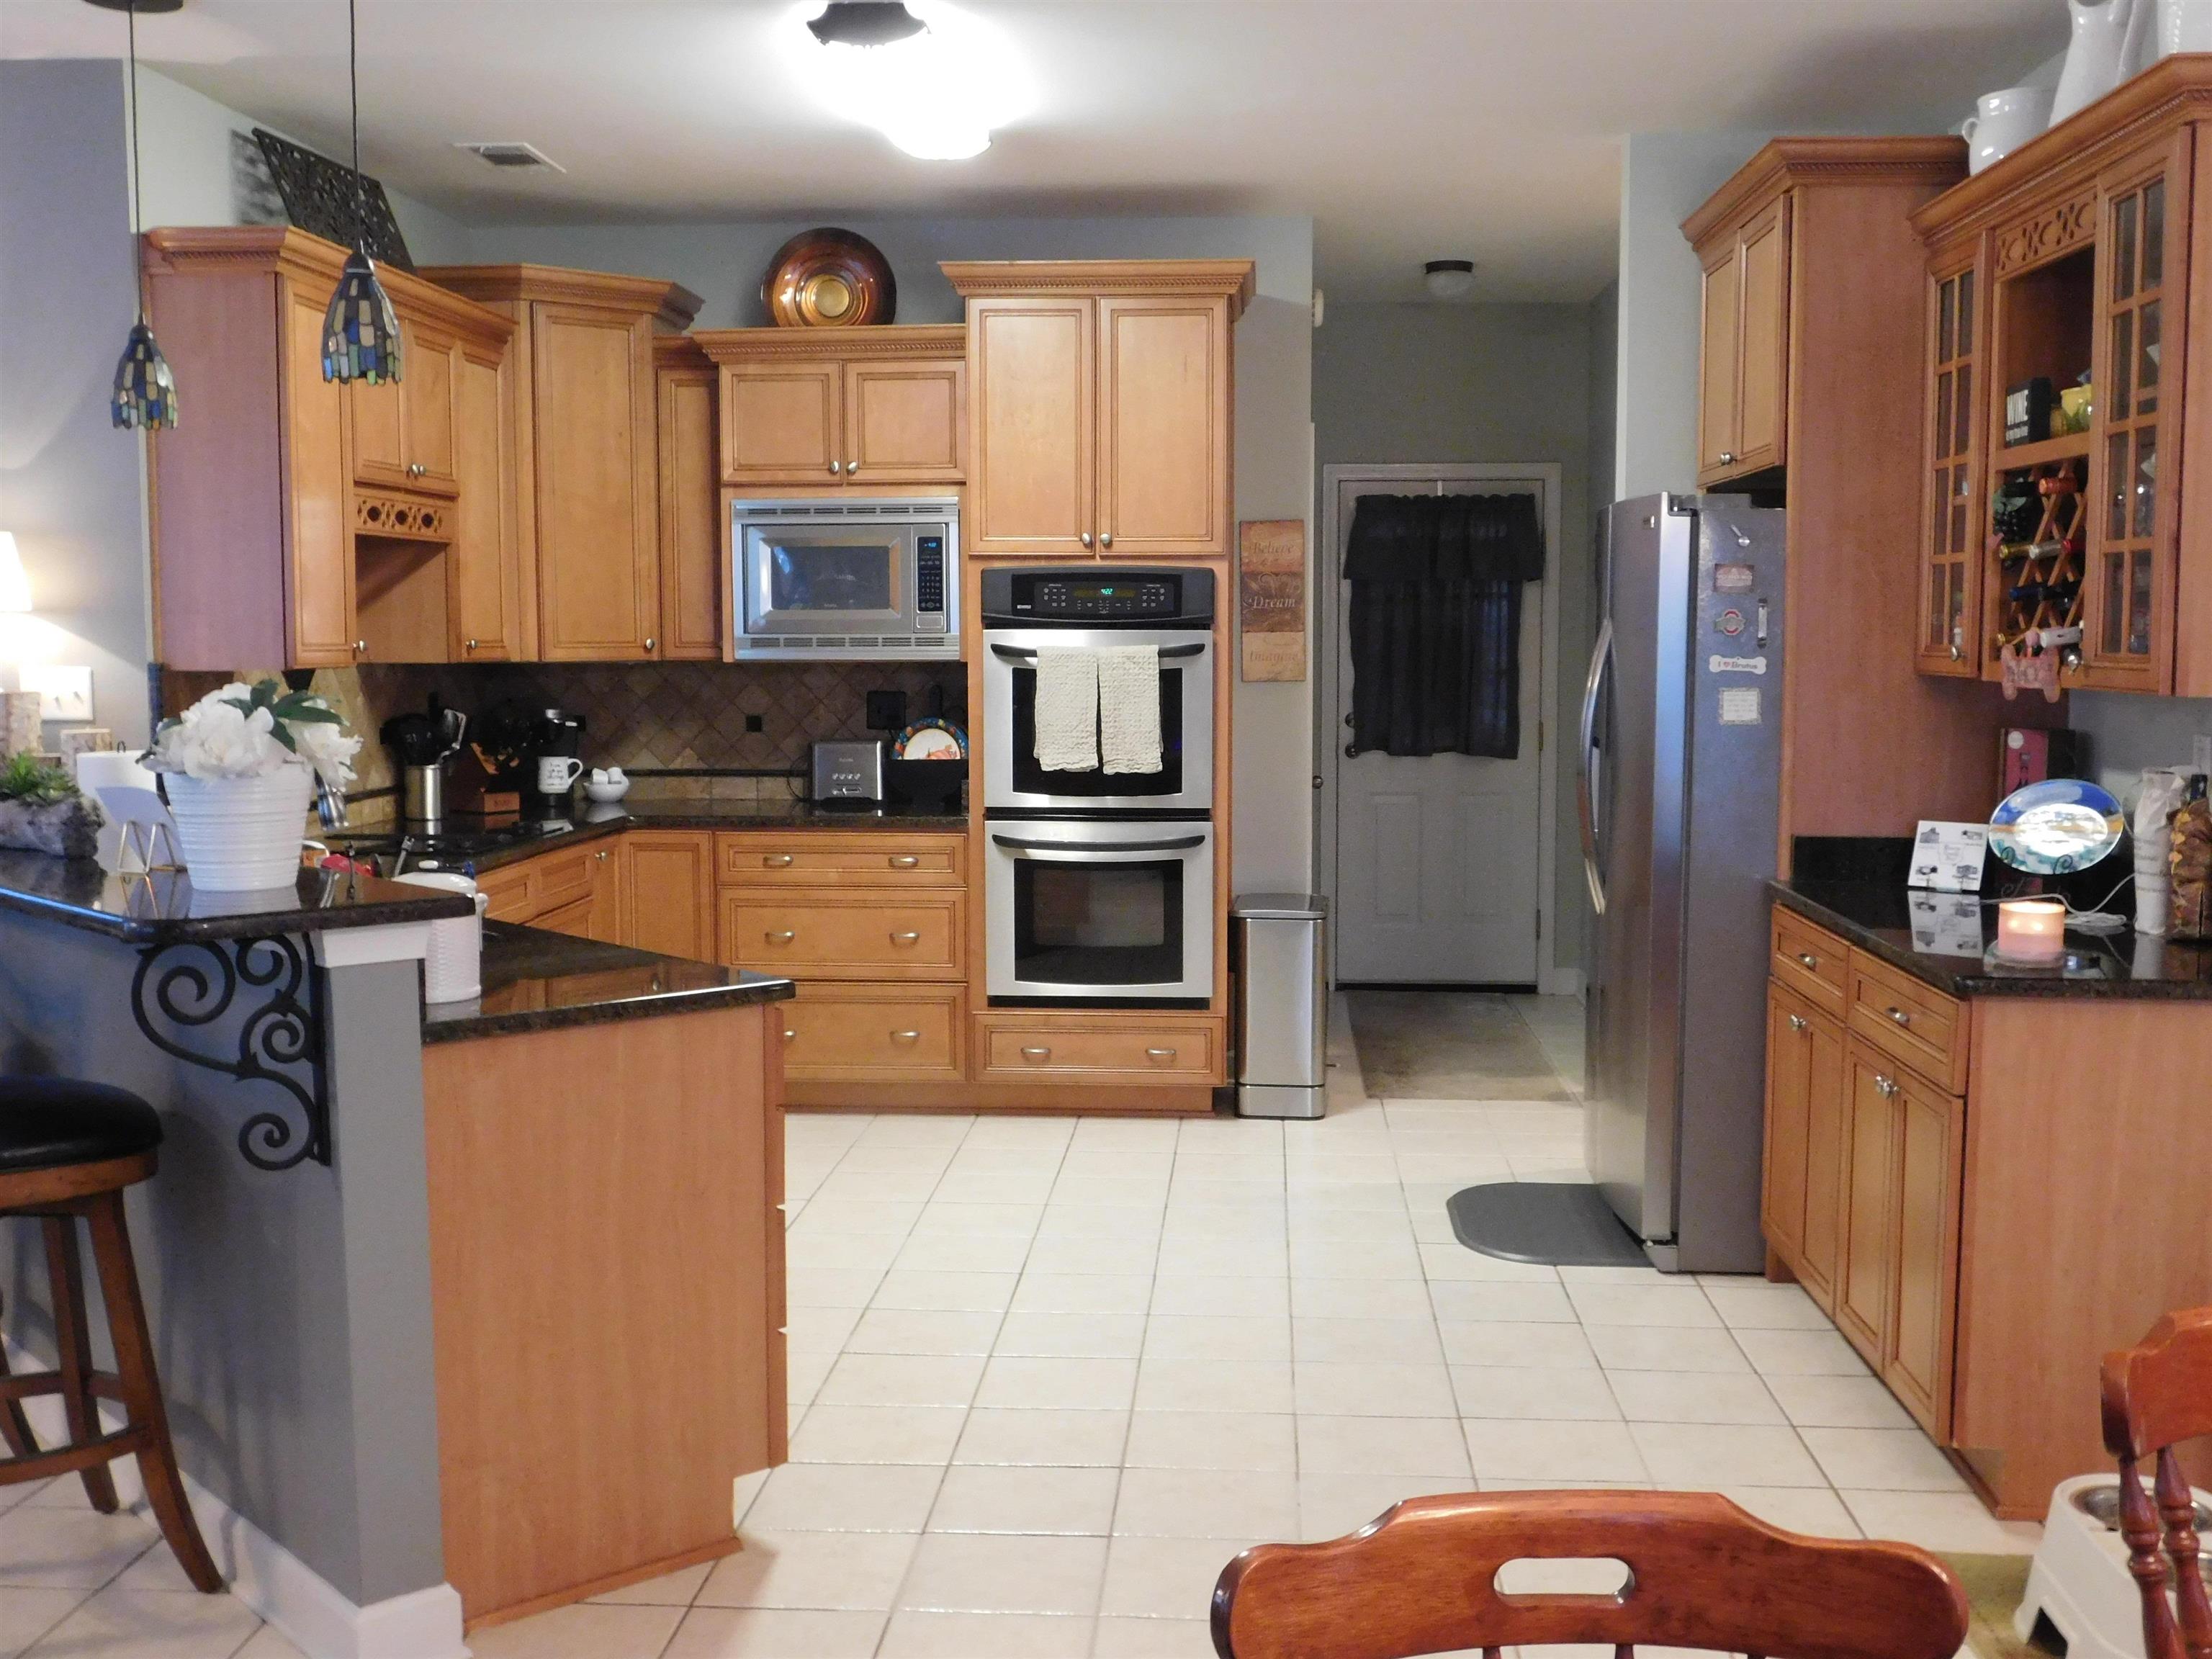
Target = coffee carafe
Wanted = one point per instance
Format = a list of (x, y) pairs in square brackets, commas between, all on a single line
[(555, 764)]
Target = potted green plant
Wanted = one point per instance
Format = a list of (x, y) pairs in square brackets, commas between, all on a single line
[(239, 768), (42, 811)]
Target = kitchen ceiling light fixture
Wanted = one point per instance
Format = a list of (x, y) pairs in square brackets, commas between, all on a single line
[(929, 76), (1449, 279), (145, 393), (360, 335)]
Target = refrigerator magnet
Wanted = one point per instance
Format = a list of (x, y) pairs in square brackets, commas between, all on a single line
[(1739, 705)]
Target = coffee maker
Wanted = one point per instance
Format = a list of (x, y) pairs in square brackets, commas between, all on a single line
[(553, 764)]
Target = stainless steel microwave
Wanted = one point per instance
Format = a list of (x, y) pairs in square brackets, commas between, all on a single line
[(845, 578)]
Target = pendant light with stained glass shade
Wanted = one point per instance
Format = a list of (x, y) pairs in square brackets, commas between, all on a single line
[(145, 393), (361, 334)]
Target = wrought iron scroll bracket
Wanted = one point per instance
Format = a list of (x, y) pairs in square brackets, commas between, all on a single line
[(192, 984)]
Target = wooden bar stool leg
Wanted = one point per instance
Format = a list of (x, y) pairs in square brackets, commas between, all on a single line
[(73, 1337), (142, 1388), (15, 1427)]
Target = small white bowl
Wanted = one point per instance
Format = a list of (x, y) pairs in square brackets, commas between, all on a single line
[(607, 794)]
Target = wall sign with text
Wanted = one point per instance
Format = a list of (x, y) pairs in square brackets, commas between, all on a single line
[(1271, 592)]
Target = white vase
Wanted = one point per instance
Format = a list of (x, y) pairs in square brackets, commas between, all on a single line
[(2184, 26), (241, 835), (2109, 37)]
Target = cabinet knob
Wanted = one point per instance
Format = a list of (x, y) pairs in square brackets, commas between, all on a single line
[(1727, 458), (1084, 538), (471, 644), (906, 1036), (776, 860), (1105, 538), (1159, 1054), (783, 938), (1810, 962), (1797, 1022), (361, 647), (651, 643), (837, 467), (852, 468), (906, 938), (416, 469), (1957, 653), (1886, 1087), (1037, 1054), (1898, 1015), (905, 861), (790, 1035)]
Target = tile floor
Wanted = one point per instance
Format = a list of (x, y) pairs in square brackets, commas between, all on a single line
[(1048, 1375)]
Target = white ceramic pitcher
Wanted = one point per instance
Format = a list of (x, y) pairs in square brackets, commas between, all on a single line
[(2184, 26), (2002, 121), (2110, 38)]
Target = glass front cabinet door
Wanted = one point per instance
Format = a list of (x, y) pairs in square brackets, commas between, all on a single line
[(2134, 521), (1952, 526)]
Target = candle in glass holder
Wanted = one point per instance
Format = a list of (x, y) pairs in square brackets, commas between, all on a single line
[(2032, 930)]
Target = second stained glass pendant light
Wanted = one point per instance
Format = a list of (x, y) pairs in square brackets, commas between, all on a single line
[(360, 335)]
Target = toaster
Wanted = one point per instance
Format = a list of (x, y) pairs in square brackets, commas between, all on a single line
[(850, 773)]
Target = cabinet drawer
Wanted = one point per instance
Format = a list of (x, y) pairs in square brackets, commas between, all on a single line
[(1139, 1050), (507, 894), (843, 859), (1914, 1023), (832, 935), (1811, 960), (559, 878), (874, 1033)]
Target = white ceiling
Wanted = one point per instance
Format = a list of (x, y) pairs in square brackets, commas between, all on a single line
[(1409, 128)]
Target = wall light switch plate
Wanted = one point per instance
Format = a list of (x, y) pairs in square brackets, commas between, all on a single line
[(2203, 763), (64, 693)]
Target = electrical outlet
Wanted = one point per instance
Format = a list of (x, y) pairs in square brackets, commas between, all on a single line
[(64, 693), (2203, 762), (755, 723)]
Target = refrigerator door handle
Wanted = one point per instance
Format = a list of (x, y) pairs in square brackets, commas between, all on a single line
[(1601, 664)]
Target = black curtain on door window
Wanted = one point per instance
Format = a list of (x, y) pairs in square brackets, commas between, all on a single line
[(1435, 621)]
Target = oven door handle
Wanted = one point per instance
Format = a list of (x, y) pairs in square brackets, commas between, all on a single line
[(1178, 844), (1026, 653)]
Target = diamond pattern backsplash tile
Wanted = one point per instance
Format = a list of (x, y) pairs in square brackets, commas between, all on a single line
[(649, 716)]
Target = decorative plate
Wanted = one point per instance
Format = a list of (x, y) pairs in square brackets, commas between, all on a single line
[(828, 278), (931, 739), (2048, 828)]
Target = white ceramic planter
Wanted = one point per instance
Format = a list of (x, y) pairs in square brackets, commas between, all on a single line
[(241, 835)]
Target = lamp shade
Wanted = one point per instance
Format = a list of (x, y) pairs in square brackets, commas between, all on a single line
[(15, 581)]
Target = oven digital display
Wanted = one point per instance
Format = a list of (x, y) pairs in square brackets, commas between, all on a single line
[(1060, 597)]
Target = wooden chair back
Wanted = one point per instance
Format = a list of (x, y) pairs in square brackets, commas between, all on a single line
[(2157, 1396), (1423, 1579)]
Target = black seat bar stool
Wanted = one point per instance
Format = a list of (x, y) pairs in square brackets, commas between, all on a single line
[(68, 1149)]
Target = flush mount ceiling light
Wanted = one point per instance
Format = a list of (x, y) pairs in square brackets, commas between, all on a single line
[(1449, 279), (932, 78), (145, 393), (360, 335)]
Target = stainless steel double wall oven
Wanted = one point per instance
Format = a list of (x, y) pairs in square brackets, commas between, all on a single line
[(1098, 886)]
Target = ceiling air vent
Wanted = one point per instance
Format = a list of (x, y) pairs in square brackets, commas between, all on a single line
[(514, 156)]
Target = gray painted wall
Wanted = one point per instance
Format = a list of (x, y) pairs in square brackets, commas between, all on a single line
[(2127, 733), (290, 1311), (1429, 383), (70, 484)]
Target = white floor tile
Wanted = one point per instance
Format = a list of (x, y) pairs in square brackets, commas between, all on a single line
[(1164, 1577), (858, 1571), (1955, 1522), (1883, 1460), (951, 1253), (1028, 1499), (845, 1498), (1186, 1296), (1093, 1255), (1089, 1335), (968, 1572), (1523, 1449), (1352, 1298), (1330, 1389), (588, 1630), (1800, 1353), (1154, 1638), (772, 1633), (877, 1434), (48, 1547), (1381, 1445), (1332, 1505), (1839, 1403), (1051, 1437), (1494, 1301), (1533, 1393), (1693, 1397), (1815, 1512), (1666, 1348), (1700, 1456), (1217, 1336), (901, 1379), (979, 1220), (946, 1292), (1506, 1342), (830, 1287), (1766, 1308), (27, 1615), (916, 1331), (1380, 1341), (1255, 1506), (1214, 1385), (670, 1590), (1212, 1440), (914, 1634), (1083, 1293), (1074, 1384), (1671, 1305)]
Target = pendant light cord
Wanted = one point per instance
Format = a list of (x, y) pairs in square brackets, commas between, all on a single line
[(353, 90), (137, 280)]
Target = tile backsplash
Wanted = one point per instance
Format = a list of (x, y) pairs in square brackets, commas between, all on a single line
[(678, 717)]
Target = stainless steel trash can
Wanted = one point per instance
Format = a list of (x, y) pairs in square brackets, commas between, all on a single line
[(1279, 942)]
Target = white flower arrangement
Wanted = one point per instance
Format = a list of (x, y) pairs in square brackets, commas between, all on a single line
[(244, 731)]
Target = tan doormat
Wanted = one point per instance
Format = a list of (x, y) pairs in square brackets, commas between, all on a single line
[(1449, 1045), (1995, 1585)]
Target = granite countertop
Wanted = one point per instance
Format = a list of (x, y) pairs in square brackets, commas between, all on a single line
[(1940, 938), (534, 980), (162, 909)]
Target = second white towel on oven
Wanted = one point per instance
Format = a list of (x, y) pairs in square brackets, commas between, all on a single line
[(1067, 710), (1129, 708)]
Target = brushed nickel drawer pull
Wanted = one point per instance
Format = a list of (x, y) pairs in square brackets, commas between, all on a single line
[(1037, 1054), (1159, 1054), (835, 467), (1886, 1087), (775, 860), (790, 1035), (783, 938), (906, 861), (906, 938), (1898, 1015), (906, 1036), (1797, 1022), (1809, 961)]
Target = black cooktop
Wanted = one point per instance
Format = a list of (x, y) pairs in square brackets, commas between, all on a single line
[(449, 849)]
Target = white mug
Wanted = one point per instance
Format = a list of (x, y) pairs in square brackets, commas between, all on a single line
[(556, 772), (2003, 122)]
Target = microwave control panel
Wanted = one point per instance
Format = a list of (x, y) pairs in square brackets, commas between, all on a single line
[(929, 584)]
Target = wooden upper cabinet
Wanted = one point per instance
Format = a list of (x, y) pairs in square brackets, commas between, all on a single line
[(835, 408), (318, 566), (488, 586), (690, 520), (1101, 405), (590, 478), (1952, 557), (404, 432), (1720, 329), (1743, 375)]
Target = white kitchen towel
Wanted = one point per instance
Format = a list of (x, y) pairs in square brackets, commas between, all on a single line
[(1129, 708), (1067, 710)]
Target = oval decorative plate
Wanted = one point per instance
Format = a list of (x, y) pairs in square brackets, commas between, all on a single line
[(931, 739), (2060, 824), (828, 278)]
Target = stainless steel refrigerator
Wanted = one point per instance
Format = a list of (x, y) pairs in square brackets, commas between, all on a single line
[(1682, 747)]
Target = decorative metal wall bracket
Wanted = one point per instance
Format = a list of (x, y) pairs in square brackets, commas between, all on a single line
[(193, 984)]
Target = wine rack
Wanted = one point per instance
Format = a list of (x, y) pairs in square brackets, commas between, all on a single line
[(2038, 526)]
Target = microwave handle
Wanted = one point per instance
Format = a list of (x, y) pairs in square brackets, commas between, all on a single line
[(1177, 844), (1024, 653)]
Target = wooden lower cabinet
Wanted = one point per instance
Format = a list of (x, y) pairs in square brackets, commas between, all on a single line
[(1800, 1205), (834, 1033), (1048, 1045), (667, 883), (576, 890), (832, 934)]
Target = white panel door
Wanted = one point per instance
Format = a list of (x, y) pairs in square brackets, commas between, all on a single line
[(1438, 856)]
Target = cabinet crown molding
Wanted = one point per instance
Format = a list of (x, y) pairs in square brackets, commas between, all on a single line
[(738, 345), (1782, 163), (1213, 279), (285, 250), (671, 304), (2172, 93)]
